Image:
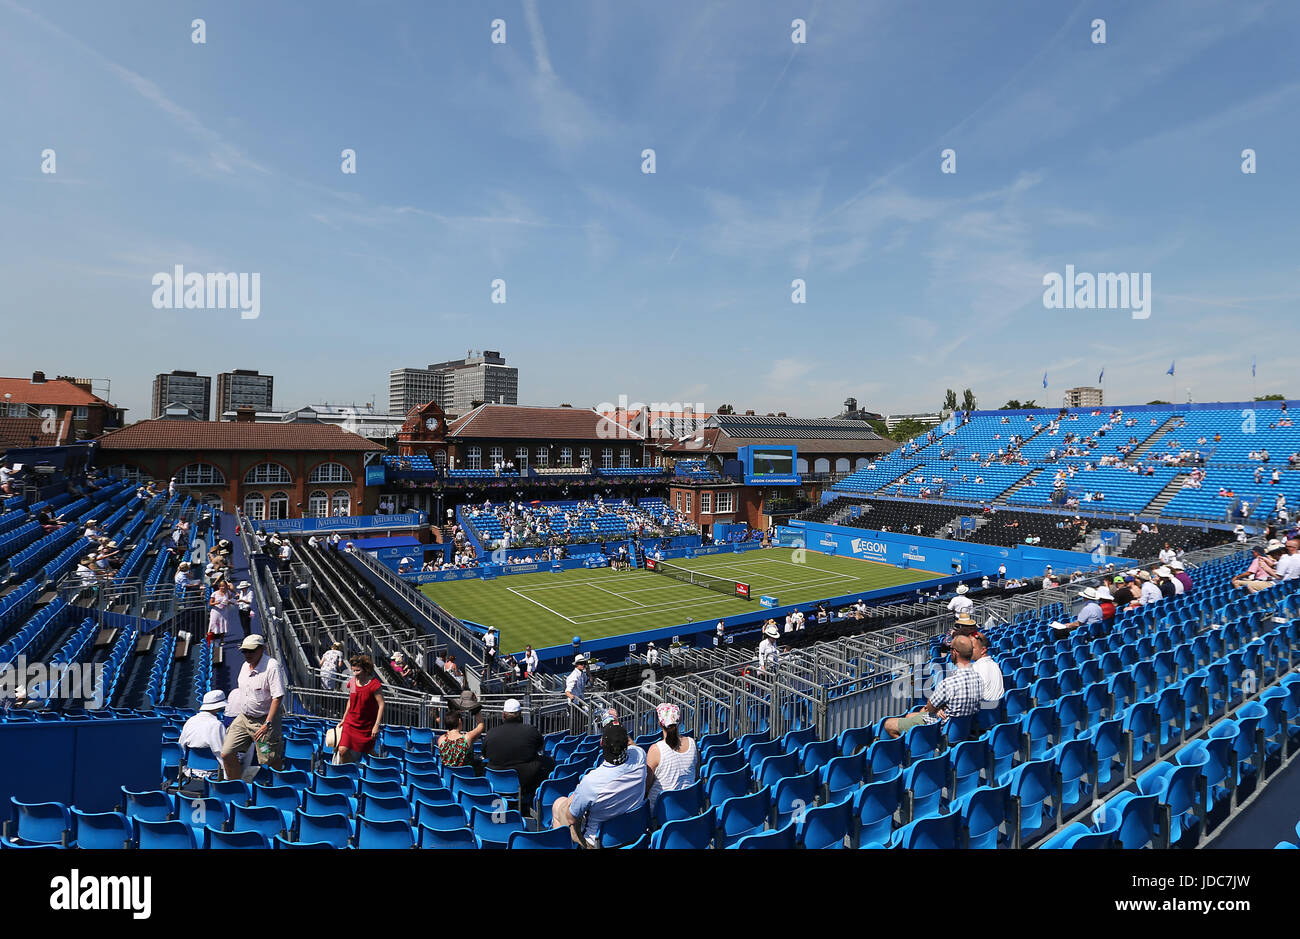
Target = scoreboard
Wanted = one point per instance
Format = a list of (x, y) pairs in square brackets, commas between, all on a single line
[(770, 465)]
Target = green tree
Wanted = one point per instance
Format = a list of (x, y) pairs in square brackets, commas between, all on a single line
[(1270, 398), (726, 409), (950, 400), (1014, 405), (1157, 402), (968, 402)]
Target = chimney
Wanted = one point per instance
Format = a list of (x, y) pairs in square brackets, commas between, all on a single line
[(245, 414), (38, 378)]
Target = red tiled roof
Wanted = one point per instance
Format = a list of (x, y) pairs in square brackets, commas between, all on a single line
[(717, 442), (495, 421), (55, 392), (163, 434), (17, 432)]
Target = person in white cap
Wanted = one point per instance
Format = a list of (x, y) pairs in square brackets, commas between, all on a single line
[(261, 696), (1166, 575), (489, 649), (1181, 575), (769, 656), (1150, 589), (204, 730), (961, 603), (245, 600), (517, 746), (575, 686), (651, 655)]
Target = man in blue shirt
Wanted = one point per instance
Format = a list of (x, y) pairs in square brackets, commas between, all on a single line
[(1090, 615), (616, 786)]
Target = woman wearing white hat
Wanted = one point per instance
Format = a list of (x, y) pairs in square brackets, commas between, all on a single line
[(225, 610), (769, 657)]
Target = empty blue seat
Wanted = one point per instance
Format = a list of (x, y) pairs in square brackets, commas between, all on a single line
[(742, 815), (39, 822), (937, 832), (686, 802), (555, 838), (826, 826), (373, 834), (493, 829), (167, 836), (778, 839), (685, 833), (333, 829), (454, 838), (216, 838), (267, 819), (101, 830)]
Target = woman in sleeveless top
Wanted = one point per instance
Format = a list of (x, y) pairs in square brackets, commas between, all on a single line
[(456, 748), (673, 762)]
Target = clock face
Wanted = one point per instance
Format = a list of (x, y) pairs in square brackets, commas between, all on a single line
[(431, 423)]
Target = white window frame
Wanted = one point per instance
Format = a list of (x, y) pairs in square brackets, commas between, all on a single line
[(706, 503), (255, 506), (278, 501), (521, 459), (474, 458), (625, 458), (688, 504), (543, 458), (341, 499), (268, 474), (566, 457), (606, 457), (585, 454), (725, 503), (330, 473), (679, 500), (80, 412), (496, 455), (318, 504), (200, 474)]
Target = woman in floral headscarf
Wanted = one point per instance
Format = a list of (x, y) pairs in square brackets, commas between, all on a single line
[(673, 762)]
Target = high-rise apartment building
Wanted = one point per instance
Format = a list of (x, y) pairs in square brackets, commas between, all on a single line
[(244, 388), (455, 385), (189, 390)]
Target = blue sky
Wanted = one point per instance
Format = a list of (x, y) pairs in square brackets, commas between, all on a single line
[(775, 161)]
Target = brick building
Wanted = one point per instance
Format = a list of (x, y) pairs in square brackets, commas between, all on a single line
[(269, 470), (37, 412)]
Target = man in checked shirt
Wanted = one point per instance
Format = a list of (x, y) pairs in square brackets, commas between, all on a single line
[(958, 695)]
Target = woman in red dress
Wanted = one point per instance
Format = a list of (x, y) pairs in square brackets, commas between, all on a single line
[(365, 714)]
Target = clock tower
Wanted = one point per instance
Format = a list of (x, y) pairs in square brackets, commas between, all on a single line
[(424, 432)]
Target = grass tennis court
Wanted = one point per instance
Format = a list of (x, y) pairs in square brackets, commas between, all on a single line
[(547, 609)]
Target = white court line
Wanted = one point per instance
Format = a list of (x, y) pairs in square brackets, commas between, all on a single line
[(613, 594), (542, 605)]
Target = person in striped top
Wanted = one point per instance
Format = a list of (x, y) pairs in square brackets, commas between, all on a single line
[(672, 763)]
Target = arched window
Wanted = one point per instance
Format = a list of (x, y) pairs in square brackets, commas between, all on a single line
[(200, 474), (802, 466), (318, 504), (255, 506), (267, 474), (842, 465), (341, 503), (474, 458), (213, 502), (330, 473), (566, 456), (278, 505), (823, 465), (860, 462)]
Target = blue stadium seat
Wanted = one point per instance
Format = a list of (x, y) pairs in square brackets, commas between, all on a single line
[(101, 830), (333, 829), (166, 836), (686, 833), (552, 838), (35, 823), (216, 838), (455, 838), (372, 834)]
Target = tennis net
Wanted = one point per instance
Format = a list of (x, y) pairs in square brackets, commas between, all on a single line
[(732, 588)]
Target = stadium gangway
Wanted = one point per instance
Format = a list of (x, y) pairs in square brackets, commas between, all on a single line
[(453, 630)]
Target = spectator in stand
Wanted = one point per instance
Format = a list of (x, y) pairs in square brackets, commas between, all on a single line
[(489, 649), (989, 671), (961, 603), (958, 695), (518, 746), (1169, 585), (204, 729), (575, 686), (457, 748), (224, 607), (530, 662), (1181, 575), (651, 654), (331, 671), (1288, 565), (1090, 615), (364, 716), (769, 657), (1262, 572), (1150, 590), (616, 786), (1107, 604), (260, 709), (245, 600), (672, 763), (1167, 554), (452, 669)]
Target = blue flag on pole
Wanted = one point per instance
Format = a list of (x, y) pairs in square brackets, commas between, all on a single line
[(1171, 368), (1101, 376), (1044, 379)]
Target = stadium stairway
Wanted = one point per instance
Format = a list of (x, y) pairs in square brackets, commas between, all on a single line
[(1152, 440), (1164, 496), (1024, 481)]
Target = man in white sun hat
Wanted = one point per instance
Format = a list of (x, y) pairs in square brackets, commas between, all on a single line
[(575, 686), (769, 656), (204, 730), (1089, 615), (961, 603)]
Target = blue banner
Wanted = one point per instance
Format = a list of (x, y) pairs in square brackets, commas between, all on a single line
[(344, 523), (375, 474)]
